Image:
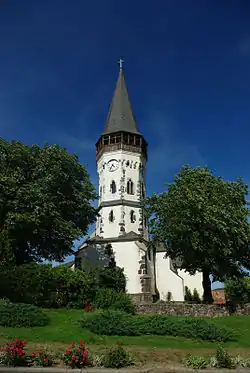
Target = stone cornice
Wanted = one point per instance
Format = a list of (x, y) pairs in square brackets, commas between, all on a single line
[(119, 202)]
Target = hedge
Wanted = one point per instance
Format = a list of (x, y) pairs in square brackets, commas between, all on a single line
[(56, 287), (114, 322), (22, 315), (110, 299)]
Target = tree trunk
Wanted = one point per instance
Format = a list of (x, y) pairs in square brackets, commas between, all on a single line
[(207, 292)]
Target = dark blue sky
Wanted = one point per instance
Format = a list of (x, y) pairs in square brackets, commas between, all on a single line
[(187, 67)]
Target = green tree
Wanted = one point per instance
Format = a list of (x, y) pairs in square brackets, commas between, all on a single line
[(237, 291), (45, 202), (203, 222), (188, 295), (196, 297)]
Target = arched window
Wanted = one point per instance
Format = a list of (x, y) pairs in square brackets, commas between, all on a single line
[(113, 187), (130, 187), (100, 192), (132, 216), (111, 216)]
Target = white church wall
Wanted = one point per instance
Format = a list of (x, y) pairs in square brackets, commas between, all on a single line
[(167, 280), (192, 282), (127, 256)]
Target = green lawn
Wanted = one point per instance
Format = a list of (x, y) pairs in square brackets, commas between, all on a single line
[(64, 329)]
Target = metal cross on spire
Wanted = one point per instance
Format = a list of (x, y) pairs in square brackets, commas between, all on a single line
[(121, 61)]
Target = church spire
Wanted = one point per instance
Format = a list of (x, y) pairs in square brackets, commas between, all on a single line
[(121, 116)]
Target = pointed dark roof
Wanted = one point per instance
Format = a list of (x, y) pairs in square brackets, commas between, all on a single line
[(121, 116)]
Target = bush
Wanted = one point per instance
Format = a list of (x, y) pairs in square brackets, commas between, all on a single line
[(196, 297), (195, 362), (14, 354), (224, 359), (188, 295), (42, 358), (55, 287), (117, 357), (19, 314), (108, 298), (112, 278), (48, 287), (237, 292), (28, 283), (76, 356), (115, 322)]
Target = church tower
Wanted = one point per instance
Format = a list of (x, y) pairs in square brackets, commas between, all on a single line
[(121, 154)]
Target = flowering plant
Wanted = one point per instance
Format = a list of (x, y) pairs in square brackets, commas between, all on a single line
[(117, 357), (14, 354), (76, 356), (42, 358), (87, 307)]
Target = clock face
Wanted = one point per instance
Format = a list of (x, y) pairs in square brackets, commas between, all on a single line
[(113, 164)]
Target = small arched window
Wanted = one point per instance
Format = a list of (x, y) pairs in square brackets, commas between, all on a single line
[(111, 216), (100, 192), (132, 216), (113, 187), (130, 187)]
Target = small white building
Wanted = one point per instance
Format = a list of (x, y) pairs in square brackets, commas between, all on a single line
[(121, 154)]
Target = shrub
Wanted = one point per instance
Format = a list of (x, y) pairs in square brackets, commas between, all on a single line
[(188, 295), (237, 292), (110, 322), (95, 360), (108, 298), (169, 296), (45, 286), (19, 314), (112, 278), (14, 354), (223, 359), (115, 322), (76, 356), (42, 358), (196, 297), (28, 283), (117, 357), (195, 362)]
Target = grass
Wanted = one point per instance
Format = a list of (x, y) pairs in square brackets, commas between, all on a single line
[(63, 330)]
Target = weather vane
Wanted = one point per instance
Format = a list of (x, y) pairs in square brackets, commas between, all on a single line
[(121, 61)]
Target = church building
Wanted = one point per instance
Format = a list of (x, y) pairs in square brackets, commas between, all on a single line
[(121, 155)]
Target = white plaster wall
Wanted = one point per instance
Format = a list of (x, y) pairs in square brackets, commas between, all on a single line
[(167, 280), (130, 162), (127, 256), (131, 171), (192, 282)]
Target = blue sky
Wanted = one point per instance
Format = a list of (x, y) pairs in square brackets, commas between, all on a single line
[(187, 67)]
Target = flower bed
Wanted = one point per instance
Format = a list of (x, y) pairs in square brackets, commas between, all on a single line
[(77, 356)]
